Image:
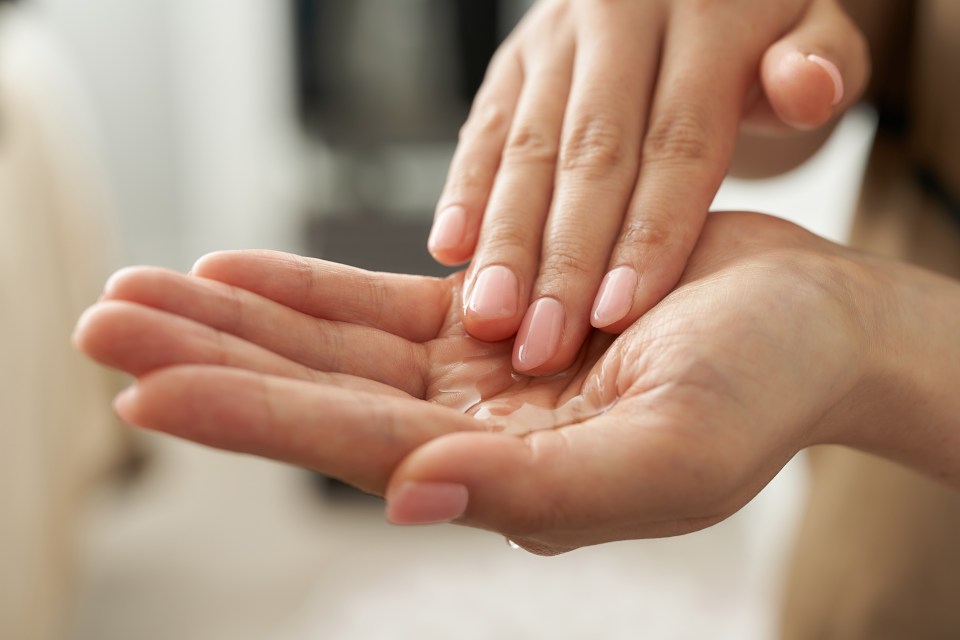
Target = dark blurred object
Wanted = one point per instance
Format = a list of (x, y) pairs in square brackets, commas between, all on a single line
[(382, 89), (374, 73), (376, 244), (340, 492), (478, 24)]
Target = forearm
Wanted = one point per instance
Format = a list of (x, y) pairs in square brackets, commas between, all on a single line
[(910, 409)]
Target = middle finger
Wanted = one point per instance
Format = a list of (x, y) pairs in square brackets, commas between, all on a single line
[(596, 173)]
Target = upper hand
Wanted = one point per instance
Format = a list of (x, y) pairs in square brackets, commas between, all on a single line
[(597, 142), (756, 354)]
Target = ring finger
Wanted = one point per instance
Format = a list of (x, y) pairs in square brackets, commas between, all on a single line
[(596, 173)]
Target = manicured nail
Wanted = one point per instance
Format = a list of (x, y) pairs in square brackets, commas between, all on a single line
[(448, 229), (615, 297), (834, 74), (494, 294), (426, 502), (539, 337)]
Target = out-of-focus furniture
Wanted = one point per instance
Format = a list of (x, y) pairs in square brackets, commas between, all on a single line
[(56, 430)]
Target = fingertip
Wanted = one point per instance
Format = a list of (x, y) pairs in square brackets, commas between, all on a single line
[(539, 337), (492, 308), (491, 330), (117, 282), (218, 264), (207, 262), (124, 404), (453, 258), (419, 503), (615, 297), (462, 476), (448, 234), (804, 89), (834, 74), (526, 488), (99, 330), (82, 329)]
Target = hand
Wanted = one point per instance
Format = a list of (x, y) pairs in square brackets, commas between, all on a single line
[(760, 351), (597, 142)]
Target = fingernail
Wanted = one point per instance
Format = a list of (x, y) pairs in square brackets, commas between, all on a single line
[(494, 294), (427, 503), (539, 337), (615, 297), (448, 229), (834, 74)]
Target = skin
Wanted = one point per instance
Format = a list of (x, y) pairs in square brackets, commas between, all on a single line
[(598, 140), (773, 340)]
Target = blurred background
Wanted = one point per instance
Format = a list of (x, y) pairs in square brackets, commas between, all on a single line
[(153, 131)]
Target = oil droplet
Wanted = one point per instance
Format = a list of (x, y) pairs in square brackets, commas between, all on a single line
[(512, 544), (520, 418), (484, 386)]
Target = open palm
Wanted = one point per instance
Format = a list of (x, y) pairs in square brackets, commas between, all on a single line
[(371, 378)]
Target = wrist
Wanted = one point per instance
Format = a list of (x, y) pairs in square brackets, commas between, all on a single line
[(906, 406)]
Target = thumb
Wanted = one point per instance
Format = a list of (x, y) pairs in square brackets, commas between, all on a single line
[(812, 74), (555, 490)]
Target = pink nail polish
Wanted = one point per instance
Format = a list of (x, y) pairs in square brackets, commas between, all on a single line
[(834, 74), (448, 229), (427, 503), (615, 297), (495, 293), (539, 337)]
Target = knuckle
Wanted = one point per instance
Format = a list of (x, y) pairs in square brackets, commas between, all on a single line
[(329, 341), (647, 232), (547, 17), (596, 142), (484, 121), (376, 295), (468, 177), (680, 137), (220, 351), (565, 260), (503, 57), (530, 144), (507, 236), (237, 312), (303, 273)]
